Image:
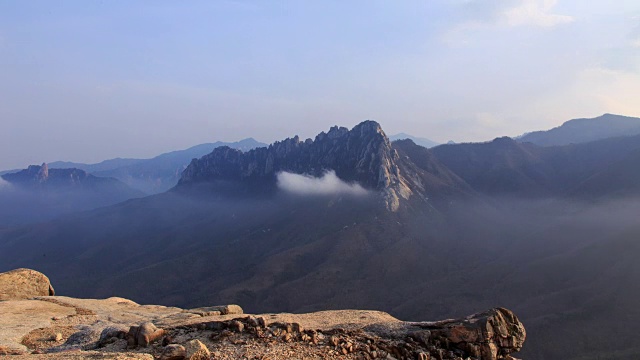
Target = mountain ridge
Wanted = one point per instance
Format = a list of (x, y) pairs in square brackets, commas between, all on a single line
[(363, 155), (428, 143), (455, 246), (584, 130), (40, 193), (153, 175)]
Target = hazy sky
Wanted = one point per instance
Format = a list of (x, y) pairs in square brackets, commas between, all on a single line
[(90, 80)]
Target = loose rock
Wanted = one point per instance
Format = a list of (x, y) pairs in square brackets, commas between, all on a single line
[(174, 352), (196, 350)]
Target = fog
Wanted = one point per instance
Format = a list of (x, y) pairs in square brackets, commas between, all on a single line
[(4, 185), (20, 205), (328, 184), (567, 267)]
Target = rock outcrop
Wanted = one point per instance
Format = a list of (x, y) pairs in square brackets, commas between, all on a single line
[(61, 327), (40, 175), (24, 284), (143, 335), (362, 155), (490, 335)]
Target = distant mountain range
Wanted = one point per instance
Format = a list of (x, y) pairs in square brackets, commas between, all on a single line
[(39, 193), (162, 172), (505, 167), (417, 140), (351, 219), (584, 130), (154, 175)]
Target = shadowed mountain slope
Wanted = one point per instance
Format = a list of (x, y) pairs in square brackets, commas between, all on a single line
[(585, 130), (431, 236), (162, 172), (504, 167)]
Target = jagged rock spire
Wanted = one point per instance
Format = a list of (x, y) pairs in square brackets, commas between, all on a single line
[(363, 155)]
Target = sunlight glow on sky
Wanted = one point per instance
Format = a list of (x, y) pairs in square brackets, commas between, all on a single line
[(91, 80)]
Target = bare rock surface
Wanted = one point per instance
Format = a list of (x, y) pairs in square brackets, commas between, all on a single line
[(80, 355), (24, 284), (20, 317), (115, 328)]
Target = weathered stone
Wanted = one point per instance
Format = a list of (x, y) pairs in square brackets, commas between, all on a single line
[(217, 310), (173, 352), (132, 336), (196, 350), (231, 310), (111, 332), (422, 336), (253, 321), (216, 325), (487, 334), (24, 284), (143, 335), (236, 326), (5, 350), (285, 327), (206, 311), (86, 337), (297, 328), (148, 333), (489, 351)]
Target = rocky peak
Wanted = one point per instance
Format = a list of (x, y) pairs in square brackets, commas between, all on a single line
[(42, 175), (361, 155), (334, 133), (37, 173)]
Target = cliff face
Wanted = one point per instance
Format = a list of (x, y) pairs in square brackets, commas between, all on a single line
[(363, 155), (36, 175)]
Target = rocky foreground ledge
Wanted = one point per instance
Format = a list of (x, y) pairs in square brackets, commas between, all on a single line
[(33, 326)]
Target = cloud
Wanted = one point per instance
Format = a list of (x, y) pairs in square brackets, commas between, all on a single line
[(328, 184), (474, 16), (4, 184), (536, 13)]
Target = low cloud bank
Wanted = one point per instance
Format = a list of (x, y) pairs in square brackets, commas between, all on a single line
[(4, 184), (328, 184)]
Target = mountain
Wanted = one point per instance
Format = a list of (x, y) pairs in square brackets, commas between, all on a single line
[(585, 130), (154, 175), (351, 220), (39, 193), (505, 167), (417, 140), (105, 165), (620, 179), (162, 172), (9, 171)]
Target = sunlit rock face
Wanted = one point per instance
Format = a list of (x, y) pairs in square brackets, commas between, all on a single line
[(362, 155)]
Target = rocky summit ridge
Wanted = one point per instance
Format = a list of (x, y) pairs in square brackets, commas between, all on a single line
[(362, 155), (58, 327), (42, 176)]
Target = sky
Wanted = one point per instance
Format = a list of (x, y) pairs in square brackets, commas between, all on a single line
[(91, 80)]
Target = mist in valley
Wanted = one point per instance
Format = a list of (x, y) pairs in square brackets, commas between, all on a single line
[(560, 264)]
